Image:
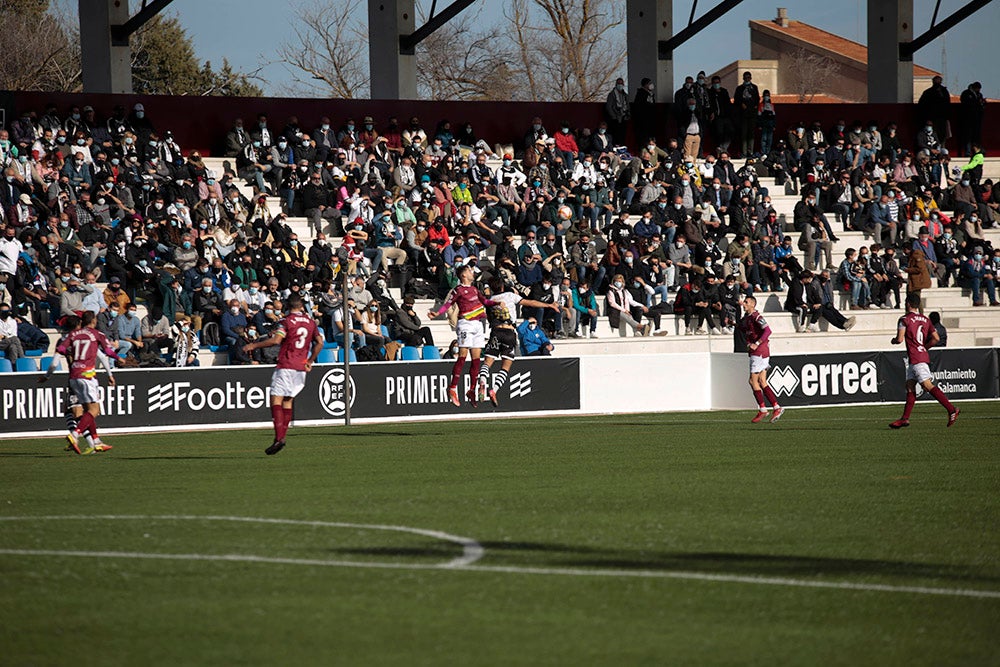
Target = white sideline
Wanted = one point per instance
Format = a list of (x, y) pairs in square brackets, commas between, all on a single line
[(472, 552)]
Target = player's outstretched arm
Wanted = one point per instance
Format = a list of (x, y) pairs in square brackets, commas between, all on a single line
[(273, 339)]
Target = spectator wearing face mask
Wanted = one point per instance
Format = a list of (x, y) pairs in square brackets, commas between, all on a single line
[(533, 341), (982, 277), (620, 307), (129, 330), (156, 334), (232, 318), (114, 294), (186, 344), (206, 305), (10, 344)]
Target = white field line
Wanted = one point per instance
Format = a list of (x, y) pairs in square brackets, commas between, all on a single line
[(471, 550), (553, 571)]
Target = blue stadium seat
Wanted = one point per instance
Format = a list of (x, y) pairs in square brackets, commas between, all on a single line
[(26, 365), (385, 330), (431, 352), (45, 362), (340, 355), (327, 356), (411, 354), (331, 345), (5, 366), (34, 353)]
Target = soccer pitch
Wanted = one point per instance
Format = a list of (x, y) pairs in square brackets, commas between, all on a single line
[(687, 539)]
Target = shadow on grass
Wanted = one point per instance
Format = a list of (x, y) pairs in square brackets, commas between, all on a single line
[(536, 554)]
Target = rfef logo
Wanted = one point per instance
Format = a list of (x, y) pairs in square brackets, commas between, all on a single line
[(331, 392)]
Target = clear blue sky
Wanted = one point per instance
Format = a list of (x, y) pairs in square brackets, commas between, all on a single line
[(247, 32)]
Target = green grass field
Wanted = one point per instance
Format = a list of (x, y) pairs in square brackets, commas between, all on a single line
[(667, 539)]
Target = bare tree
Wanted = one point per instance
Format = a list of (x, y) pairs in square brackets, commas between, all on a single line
[(328, 55), (568, 50), (808, 74), (459, 63), (39, 53)]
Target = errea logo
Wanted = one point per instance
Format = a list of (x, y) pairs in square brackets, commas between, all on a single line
[(838, 379), (783, 381)]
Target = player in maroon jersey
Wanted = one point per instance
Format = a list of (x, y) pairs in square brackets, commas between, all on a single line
[(757, 332), (470, 330), (81, 347), (294, 332), (919, 335)]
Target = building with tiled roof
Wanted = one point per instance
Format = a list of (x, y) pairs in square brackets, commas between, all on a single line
[(800, 62)]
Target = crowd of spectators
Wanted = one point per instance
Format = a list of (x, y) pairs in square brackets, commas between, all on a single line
[(562, 216)]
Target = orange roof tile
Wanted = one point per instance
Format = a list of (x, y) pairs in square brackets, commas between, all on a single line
[(829, 42)]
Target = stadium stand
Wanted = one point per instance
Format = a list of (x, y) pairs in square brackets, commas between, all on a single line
[(223, 240)]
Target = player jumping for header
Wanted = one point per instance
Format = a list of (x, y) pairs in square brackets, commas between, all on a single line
[(294, 360), (757, 332), (471, 335), (919, 335), (81, 346), (503, 337)]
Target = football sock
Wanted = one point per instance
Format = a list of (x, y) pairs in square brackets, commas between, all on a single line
[(942, 399), (90, 441), (759, 396), (71, 422), (278, 418), (769, 395), (484, 375), (288, 419), (499, 380), (911, 398), (474, 371), (85, 424), (456, 372)]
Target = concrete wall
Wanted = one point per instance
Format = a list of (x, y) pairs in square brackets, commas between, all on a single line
[(204, 125)]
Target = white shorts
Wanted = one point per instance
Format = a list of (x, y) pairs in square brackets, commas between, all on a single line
[(86, 390), (918, 372), (470, 334), (287, 382), (758, 364)]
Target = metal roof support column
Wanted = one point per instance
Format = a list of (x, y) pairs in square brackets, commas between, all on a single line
[(890, 79), (107, 68), (393, 74), (649, 22)]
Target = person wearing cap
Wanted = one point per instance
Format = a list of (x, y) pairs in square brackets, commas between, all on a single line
[(71, 301), (140, 124), (925, 243)]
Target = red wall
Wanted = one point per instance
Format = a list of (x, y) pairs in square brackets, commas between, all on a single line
[(202, 122)]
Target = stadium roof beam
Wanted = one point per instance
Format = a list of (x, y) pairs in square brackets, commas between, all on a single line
[(651, 40), (150, 8), (666, 47), (392, 57), (105, 26), (408, 43), (907, 49)]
